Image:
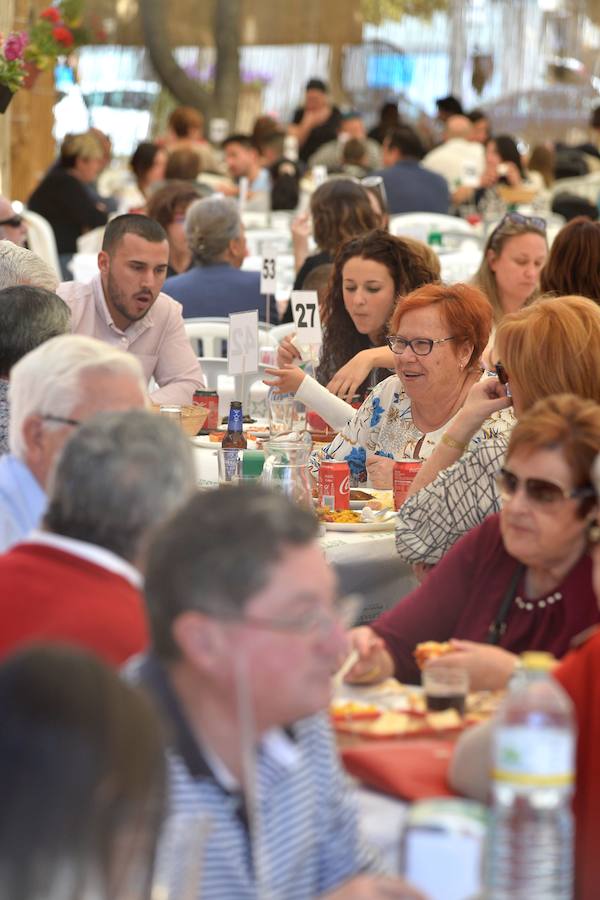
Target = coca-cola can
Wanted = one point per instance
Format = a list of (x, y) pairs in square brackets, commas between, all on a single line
[(405, 472), (210, 401), (334, 485)]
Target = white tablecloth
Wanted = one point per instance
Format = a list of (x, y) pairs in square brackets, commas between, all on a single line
[(339, 546)]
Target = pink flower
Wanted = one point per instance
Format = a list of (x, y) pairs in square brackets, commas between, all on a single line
[(14, 45)]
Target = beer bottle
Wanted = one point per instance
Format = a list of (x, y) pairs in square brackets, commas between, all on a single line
[(234, 436)]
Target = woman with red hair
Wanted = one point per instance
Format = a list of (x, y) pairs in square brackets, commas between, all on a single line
[(437, 335)]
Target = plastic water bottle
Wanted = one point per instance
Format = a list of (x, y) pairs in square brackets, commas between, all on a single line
[(530, 844)]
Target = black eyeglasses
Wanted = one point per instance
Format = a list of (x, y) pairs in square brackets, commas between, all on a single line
[(515, 218), (13, 222), (419, 346), (538, 490), (501, 373), (62, 420)]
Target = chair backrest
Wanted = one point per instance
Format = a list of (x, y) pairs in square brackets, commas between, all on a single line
[(41, 240), (230, 386), (278, 332), (212, 334), (419, 225)]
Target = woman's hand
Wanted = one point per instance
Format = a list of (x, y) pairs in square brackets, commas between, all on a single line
[(349, 378), (287, 352), (489, 667), (286, 380), (512, 174), (484, 398), (374, 662), (380, 470)]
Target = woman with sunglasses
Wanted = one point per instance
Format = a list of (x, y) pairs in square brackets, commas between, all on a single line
[(437, 334), (550, 347), (512, 260), (519, 581), (579, 675)]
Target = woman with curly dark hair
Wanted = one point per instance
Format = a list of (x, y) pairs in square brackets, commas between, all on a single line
[(573, 264), (370, 274), (339, 209)]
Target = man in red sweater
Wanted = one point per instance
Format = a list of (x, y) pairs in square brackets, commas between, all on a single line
[(78, 579)]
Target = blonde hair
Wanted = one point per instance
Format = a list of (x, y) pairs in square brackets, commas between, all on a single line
[(80, 146), (552, 347), (485, 279)]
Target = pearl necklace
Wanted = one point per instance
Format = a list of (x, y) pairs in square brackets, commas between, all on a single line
[(539, 604)]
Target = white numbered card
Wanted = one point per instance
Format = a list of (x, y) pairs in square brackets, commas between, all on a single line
[(305, 309), (268, 270), (242, 345)]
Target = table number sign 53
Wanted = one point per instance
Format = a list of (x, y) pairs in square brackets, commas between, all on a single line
[(305, 308)]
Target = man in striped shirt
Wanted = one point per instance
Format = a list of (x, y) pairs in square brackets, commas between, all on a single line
[(246, 634)]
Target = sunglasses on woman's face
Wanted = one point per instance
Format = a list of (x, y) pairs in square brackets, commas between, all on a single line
[(538, 490)]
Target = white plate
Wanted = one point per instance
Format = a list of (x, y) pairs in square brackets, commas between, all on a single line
[(360, 526), (204, 441), (261, 426)]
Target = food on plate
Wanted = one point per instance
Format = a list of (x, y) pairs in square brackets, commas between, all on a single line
[(400, 724), (353, 709), (431, 650), (359, 496), (446, 719), (216, 436), (348, 516)]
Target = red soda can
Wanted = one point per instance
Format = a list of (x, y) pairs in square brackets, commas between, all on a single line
[(405, 471), (334, 485), (210, 401)]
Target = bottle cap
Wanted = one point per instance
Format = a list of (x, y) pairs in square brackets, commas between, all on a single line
[(538, 661)]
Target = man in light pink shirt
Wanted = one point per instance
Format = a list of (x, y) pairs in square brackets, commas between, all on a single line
[(124, 306)]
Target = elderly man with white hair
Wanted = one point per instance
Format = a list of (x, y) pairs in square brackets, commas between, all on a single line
[(52, 390), (77, 580), (28, 317), (12, 224), (21, 266), (216, 284)]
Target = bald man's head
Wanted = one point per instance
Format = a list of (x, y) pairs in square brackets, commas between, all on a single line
[(458, 127)]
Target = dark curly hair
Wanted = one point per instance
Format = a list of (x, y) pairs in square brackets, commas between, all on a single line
[(340, 209), (409, 270)]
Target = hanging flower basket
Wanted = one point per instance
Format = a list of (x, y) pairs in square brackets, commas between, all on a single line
[(6, 96)]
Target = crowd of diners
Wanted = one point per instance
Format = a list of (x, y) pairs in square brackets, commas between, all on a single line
[(167, 652)]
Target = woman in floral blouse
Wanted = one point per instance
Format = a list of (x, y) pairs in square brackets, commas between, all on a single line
[(437, 335)]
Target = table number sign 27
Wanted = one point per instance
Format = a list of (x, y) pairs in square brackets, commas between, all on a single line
[(305, 308)]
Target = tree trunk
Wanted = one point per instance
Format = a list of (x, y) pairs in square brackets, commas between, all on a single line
[(185, 90), (227, 31)]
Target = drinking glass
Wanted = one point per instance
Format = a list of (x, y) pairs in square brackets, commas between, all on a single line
[(445, 687)]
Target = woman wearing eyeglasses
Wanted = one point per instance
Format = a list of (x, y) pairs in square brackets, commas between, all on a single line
[(437, 334), (519, 581), (550, 347), (512, 260)]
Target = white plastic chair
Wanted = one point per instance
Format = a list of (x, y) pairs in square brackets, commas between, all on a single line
[(586, 186), (41, 240), (278, 332), (230, 386), (213, 332), (409, 223)]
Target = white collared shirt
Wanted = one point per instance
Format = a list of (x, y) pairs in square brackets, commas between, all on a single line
[(100, 556)]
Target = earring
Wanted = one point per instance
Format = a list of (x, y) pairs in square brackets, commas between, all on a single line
[(594, 532)]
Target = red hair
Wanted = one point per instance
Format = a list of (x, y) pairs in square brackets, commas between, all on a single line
[(464, 308)]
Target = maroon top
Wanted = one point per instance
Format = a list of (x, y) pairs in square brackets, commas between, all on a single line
[(462, 595)]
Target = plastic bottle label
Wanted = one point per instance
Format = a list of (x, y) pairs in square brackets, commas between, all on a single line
[(531, 757)]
